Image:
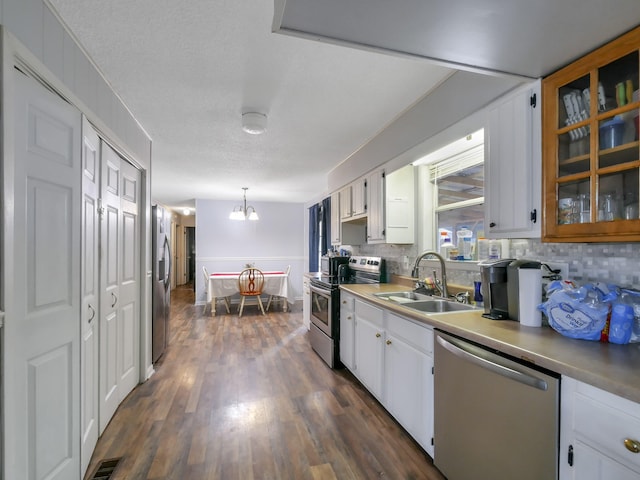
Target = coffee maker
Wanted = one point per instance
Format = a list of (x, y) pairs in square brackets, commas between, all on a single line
[(494, 288)]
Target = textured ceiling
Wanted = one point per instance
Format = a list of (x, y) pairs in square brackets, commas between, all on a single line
[(188, 69)]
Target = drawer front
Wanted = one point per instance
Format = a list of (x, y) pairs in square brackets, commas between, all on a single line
[(369, 312), (347, 302), (418, 336), (605, 427)]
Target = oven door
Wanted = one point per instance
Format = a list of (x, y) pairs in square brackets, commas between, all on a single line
[(322, 306)]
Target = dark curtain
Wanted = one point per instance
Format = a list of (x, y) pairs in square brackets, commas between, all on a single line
[(314, 237), (326, 224)]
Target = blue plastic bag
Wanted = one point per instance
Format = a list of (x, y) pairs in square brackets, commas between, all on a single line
[(576, 313)]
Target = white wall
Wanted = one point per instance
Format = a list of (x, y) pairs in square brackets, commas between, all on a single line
[(462, 94), (271, 243)]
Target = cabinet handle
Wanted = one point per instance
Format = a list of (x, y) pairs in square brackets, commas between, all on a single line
[(93, 313), (377, 335), (632, 445), (492, 224), (388, 342), (348, 317), (114, 298)]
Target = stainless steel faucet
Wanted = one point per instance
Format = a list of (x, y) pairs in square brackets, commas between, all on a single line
[(443, 268)]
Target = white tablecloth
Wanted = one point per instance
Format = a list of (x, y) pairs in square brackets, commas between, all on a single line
[(225, 284)]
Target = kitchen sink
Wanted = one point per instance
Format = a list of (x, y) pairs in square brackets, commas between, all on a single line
[(439, 306), (423, 302), (402, 297)]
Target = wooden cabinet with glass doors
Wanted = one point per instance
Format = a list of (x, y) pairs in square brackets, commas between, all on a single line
[(591, 154)]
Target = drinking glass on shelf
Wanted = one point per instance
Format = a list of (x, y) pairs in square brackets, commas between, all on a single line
[(582, 208), (609, 208)]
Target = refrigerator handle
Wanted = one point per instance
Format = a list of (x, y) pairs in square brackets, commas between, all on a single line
[(167, 247), (491, 362)]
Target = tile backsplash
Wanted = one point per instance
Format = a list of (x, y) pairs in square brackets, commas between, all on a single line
[(617, 263)]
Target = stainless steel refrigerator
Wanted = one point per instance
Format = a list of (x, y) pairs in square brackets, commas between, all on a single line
[(161, 295)]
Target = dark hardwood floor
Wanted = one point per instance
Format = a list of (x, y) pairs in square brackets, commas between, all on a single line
[(247, 398)]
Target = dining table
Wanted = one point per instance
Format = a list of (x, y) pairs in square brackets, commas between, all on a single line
[(225, 284)]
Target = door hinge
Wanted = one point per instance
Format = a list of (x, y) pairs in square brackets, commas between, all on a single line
[(534, 215), (533, 101), (432, 370), (570, 456), (432, 442)]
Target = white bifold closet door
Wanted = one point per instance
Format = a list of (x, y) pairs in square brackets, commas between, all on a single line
[(41, 283), (90, 284), (110, 285), (119, 281)]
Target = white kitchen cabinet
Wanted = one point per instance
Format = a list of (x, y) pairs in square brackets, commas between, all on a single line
[(336, 237), (353, 200), (369, 346), (345, 203), (599, 434), (306, 302), (513, 165), (408, 377), (359, 197), (347, 330), (394, 361), (399, 207), (375, 207)]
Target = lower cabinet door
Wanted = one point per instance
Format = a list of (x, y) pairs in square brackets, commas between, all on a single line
[(347, 331), (408, 386), (592, 465), (368, 344)]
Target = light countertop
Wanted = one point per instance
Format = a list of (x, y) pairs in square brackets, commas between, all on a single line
[(611, 367)]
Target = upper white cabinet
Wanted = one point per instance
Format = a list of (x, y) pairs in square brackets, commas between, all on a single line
[(375, 204), (335, 219), (359, 197), (599, 434), (353, 199), (380, 204), (513, 165), (399, 206), (345, 202)]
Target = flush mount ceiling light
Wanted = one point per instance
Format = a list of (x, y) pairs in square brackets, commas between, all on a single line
[(242, 212), (254, 123)]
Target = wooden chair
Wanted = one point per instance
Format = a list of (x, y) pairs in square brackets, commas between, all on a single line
[(284, 299), (205, 274), (250, 284)]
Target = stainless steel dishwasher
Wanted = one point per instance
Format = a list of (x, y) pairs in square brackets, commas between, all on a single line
[(495, 417)]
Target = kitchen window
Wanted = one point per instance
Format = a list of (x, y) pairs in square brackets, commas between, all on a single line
[(456, 175)]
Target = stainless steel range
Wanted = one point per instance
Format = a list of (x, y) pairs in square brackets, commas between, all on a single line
[(325, 303)]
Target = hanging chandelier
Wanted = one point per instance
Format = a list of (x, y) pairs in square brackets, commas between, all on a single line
[(242, 212)]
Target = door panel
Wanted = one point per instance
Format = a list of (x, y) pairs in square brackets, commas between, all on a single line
[(109, 284), (120, 264), (42, 287), (90, 279), (129, 357)]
